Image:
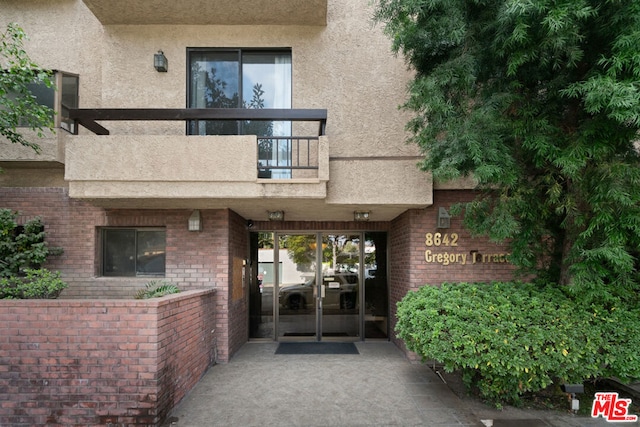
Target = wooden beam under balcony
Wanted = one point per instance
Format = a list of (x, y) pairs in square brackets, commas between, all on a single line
[(88, 117)]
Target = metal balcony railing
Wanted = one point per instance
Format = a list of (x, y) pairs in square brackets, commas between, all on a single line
[(278, 156), (284, 156)]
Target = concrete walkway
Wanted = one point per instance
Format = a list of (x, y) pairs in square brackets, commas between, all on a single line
[(378, 387)]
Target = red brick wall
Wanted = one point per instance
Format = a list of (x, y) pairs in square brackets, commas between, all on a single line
[(409, 269), (69, 224), (95, 362), (193, 259)]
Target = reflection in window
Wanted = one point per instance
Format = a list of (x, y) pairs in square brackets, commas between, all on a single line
[(133, 252), (237, 78), (66, 86), (69, 99)]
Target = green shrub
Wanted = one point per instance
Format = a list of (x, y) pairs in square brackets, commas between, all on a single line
[(511, 338), (156, 289), (22, 247), (40, 283)]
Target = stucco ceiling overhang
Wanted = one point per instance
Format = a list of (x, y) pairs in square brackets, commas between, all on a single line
[(209, 12), (257, 210)]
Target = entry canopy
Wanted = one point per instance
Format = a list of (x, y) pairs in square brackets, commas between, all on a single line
[(209, 12)]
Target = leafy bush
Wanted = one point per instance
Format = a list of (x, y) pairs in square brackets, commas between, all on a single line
[(156, 289), (511, 338), (22, 247), (40, 283)]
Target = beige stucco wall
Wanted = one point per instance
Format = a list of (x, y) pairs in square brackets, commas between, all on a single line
[(161, 158), (234, 12), (385, 182), (346, 67), (62, 35), (51, 147), (170, 167)]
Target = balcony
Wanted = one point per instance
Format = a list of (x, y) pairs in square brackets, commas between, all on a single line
[(182, 170), (216, 12)]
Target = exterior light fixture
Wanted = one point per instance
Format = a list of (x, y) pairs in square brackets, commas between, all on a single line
[(444, 219), (160, 62), (361, 216), (276, 215), (195, 222)]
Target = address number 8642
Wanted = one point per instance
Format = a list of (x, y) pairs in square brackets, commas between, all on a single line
[(439, 239)]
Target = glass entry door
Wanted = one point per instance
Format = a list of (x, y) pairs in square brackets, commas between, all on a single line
[(318, 284)]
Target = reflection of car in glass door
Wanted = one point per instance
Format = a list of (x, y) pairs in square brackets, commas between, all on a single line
[(340, 292)]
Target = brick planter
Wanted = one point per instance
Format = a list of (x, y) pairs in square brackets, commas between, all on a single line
[(102, 362)]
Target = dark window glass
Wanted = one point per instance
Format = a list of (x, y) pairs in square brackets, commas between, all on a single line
[(67, 88), (43, 94), (69, 99), (244, 78), (134, 252)]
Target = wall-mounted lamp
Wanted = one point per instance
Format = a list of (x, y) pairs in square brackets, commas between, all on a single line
[(361, 216), (160, 62), (195, 223), (249, 223), (444, 219), (276, 215)]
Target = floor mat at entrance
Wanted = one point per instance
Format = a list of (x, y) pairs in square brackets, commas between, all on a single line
[(317, 348)]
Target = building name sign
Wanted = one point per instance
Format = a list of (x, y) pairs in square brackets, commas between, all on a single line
[(441, 249)]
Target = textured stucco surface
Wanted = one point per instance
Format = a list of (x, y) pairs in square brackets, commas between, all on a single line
[(161, 158), (51, 147), (210, 12), (385, 182), (344, 65)]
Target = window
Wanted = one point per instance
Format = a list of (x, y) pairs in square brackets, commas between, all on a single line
[(68, 84), (62, 96), (244, 78), (133, 252)]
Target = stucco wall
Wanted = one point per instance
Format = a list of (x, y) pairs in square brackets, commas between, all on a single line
[(346, 66)]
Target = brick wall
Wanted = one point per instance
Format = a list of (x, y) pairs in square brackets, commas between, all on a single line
[(194, 260), (409, 268), (101, 362), (69, 224)]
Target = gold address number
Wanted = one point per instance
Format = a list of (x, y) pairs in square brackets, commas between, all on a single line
[(439, 239)]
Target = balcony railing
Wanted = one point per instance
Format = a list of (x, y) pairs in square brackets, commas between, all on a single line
[(282, 157)]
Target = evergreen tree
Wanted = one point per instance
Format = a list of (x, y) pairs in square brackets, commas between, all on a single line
[(539, 101)]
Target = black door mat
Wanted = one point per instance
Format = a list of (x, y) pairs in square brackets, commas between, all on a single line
[(313, 334), (317, 348)]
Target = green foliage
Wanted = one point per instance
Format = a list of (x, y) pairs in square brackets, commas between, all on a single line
[(22, 247), (40, 283), (156, 289), (18, 107), (539, 101), (513, 338)]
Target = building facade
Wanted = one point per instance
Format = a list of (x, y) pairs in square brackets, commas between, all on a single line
[(252, 146)]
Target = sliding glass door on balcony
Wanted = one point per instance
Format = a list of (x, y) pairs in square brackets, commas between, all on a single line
[(242, 78)]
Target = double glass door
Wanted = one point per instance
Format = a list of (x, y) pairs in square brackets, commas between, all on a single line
[(310, 286)]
